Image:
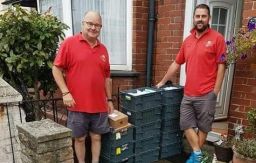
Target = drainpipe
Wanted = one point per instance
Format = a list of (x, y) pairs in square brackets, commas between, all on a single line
[(150, 41)]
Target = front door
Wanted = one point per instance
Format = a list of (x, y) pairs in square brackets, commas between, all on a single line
[(225, 19), (226, 16)]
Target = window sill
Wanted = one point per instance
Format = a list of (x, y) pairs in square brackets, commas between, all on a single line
[(119, 73)]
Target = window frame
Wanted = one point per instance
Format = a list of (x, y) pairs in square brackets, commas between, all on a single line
[(218, 19)]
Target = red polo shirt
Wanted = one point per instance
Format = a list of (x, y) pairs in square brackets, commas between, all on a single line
[(202, 56), (86, 69)]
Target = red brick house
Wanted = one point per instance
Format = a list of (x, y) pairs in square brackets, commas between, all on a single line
[(142, 44)]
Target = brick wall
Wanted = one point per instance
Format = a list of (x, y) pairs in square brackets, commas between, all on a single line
[(243, 95), (120, 84), (169, 34), (140, 28)]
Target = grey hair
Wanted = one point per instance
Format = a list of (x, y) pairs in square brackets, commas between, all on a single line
[(95, 12)]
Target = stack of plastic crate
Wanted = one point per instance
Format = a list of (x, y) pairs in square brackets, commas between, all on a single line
[(143, 107), (171, 136), (117, 146)]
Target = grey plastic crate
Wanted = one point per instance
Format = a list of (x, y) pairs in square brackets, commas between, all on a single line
[(173, 96), (119, 152), (170, 137), (140, 102), (170, 150), (129, 159), (170, 125), (171, 111), (138, 118), (147, 130), (118, 138), (145, 144), (147, 156)]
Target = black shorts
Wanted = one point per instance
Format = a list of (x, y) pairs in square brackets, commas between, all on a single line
[(81, 123), (198, 112)]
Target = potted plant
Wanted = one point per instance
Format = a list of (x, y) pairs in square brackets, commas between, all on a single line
[(28, 43), (245, 149), (223, 149)]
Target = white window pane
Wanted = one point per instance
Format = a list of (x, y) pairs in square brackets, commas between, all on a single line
[(222, 30), (114, 29), (215, 15), (55, 7), (223, 16), (219, 18)]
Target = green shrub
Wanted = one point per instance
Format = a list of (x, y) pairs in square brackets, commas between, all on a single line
[(247, 148), (251, 115), (28, 43)]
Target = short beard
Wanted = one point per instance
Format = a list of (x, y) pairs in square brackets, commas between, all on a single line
[(202, 29)]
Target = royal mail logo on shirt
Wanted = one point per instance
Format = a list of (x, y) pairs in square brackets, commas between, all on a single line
[(209, 43), (103, 57)]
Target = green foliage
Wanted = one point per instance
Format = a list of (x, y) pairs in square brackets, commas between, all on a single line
[(246, 148), (28, 43), (251, 115), (206, 157)]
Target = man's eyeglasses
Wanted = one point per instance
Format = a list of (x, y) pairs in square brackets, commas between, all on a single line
[(90, 25)]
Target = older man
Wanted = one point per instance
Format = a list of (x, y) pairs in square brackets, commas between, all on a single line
[(86, 86)]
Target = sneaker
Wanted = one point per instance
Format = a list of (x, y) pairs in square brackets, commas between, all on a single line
[(195, 158), (190, 159), (198, 158)]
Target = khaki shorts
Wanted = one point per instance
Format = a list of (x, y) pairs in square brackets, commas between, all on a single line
[(81, 123), (198, 112)]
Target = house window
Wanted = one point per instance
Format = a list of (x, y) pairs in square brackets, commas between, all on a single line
[(55, 7), (116, 33), (219, 19)]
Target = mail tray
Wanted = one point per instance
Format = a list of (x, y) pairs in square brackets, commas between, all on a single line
[(141, 98), (172, 95)]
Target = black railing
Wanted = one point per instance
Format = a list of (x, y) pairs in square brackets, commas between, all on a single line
[(46, 108)]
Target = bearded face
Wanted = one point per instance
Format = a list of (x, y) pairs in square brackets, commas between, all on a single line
[(201, 20)]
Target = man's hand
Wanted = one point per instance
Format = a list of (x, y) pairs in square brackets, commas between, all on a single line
[(110, 107), (160, 84), (68, 100), (216, 91)]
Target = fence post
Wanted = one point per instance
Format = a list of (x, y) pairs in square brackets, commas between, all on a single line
[(44, 142)]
